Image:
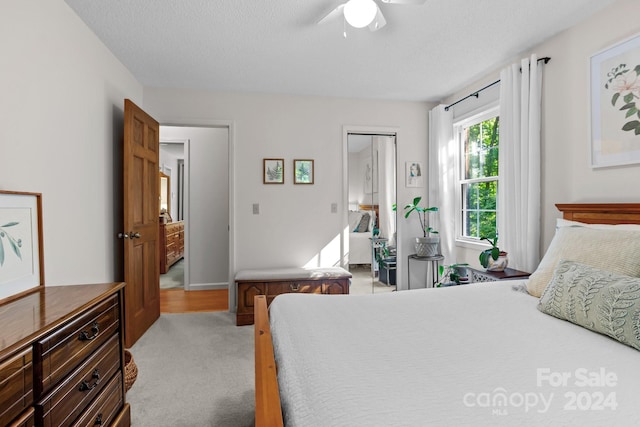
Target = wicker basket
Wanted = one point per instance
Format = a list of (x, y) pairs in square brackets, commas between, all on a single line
[(130, 370)]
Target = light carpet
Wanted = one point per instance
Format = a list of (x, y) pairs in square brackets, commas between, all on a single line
[(194, 369)]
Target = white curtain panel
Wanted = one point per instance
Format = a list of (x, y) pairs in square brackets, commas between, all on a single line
[(442, 179), (519, 163), (386, 186)]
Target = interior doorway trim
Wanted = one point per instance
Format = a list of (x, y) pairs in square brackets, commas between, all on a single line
[(230, 126)]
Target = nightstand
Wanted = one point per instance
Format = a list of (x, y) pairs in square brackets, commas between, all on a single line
[(492, 276)]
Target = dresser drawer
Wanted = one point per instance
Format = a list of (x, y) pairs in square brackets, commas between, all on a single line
[(16, 385), (27, 419), (105, 407), (294, 286), (67, 401), (62, 351)]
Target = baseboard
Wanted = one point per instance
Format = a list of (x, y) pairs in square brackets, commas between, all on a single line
[(205, 286)]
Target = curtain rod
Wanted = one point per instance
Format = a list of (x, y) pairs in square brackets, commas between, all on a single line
[(546, 59)]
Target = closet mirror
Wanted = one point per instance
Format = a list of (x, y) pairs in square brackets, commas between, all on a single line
[(371, 243)]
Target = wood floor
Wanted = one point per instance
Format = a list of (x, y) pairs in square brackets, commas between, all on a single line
[(180, 301)]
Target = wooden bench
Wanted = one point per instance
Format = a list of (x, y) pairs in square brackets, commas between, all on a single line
[(275, 281)]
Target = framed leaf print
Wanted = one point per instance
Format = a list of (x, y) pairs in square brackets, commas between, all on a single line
[(21, 252), (273, 171), (303, 171)]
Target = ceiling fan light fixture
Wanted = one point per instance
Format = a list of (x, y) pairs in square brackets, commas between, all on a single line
[(360, 13)]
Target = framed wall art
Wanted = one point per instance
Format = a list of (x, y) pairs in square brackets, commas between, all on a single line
[(21, 251), (414, 174), (273, 171), (303, 171), (615, 104)]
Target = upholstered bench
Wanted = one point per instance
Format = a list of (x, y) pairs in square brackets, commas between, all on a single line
[(275, 281)]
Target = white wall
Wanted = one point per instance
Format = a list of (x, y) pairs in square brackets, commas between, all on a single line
[(295, 226), (61, 107), (566, 174), (207, 213)]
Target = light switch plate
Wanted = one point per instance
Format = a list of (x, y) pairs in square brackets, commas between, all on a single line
[(334, 208), (256, 208)]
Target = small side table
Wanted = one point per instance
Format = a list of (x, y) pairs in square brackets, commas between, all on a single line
[(433, 260), (492, 276)]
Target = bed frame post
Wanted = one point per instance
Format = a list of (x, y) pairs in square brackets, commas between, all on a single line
[(268, 409)]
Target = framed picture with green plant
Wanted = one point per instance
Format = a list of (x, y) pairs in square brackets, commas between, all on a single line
[(21, 252), (303, 171), (615, 104), (273, 171)]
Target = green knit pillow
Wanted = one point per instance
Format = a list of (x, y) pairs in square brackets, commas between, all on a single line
[(598, 300)]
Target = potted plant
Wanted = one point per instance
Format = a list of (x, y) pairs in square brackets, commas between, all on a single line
[(427, 245), (452, 275), (386, 264), (493, 259)]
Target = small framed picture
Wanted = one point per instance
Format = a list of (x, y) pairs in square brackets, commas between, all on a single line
[(273, 171), (303, 171), (414, 174), (21, 252)]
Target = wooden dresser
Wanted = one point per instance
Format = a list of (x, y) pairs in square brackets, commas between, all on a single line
[(171, 244), (273, 282), (62, 357)]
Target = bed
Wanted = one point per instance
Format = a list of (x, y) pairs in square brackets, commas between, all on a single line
[(479, 354)]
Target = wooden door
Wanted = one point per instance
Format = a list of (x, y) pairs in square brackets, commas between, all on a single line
[(141, 211)]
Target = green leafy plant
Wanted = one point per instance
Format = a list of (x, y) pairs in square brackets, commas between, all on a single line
[(624, 83), (450, 273), (422, 215), (14, 244), (493, 252)]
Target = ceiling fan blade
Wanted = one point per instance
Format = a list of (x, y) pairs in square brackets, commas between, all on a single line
[(416, 2), (338, 12), (378, 22)]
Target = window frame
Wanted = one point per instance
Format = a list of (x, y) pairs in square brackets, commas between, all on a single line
[(479, 115)]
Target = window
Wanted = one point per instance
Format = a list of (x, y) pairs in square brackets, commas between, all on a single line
[(478, 177)]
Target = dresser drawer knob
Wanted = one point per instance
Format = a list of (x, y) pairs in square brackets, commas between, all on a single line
[(85, 386), (98, 420), (295, 287), (95, 330)]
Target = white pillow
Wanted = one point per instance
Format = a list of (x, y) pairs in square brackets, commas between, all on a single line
[(614, 250)]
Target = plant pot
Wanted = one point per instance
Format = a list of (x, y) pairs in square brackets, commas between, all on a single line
[(498, 264), (427, 246)]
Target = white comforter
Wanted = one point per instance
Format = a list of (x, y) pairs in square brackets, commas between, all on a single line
[(474, 355)]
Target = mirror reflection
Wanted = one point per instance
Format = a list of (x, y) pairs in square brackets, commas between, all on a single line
[(371, 218), (172, 228)]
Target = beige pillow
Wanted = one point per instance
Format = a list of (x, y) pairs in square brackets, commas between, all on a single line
[(617, 251)]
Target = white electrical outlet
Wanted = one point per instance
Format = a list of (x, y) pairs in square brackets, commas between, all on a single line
[(334, 208)]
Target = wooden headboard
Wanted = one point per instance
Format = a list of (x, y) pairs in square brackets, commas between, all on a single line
[(601, 213)]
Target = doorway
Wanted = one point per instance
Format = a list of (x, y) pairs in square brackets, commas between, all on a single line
[(173, 239), (199, 168), (370, 239)]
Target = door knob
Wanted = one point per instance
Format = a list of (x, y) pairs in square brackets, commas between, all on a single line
[(123, 236), (134, 235)]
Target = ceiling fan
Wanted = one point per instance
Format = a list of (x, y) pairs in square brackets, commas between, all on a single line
[(364, 13)]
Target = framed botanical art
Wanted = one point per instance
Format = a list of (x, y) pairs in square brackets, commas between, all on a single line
[(303, 171), (273, 171), (615, 104), (21, 252)]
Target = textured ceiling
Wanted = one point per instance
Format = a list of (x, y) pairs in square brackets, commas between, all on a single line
[(425, 53)]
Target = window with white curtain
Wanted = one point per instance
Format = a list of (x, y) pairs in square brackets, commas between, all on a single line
[(478, 176)]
